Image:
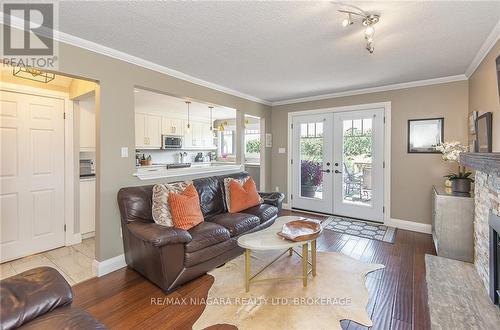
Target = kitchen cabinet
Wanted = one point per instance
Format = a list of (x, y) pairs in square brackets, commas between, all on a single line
[(172, 126), (87, 124), (87, 207), (148, 130), (200, 135)]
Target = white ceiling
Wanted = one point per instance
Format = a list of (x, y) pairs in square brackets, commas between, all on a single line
[(151, 102), (284, 50)]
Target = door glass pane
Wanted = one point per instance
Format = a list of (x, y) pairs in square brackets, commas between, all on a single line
[(357, 161), (311, 160)]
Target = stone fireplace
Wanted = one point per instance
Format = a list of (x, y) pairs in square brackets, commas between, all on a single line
[(486, 217)]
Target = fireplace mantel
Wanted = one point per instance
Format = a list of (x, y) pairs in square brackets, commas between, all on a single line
[(488, 163)]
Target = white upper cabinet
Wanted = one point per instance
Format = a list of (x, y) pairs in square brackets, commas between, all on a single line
[(87, 124), (148, 130), (172, 126), (200, 136), (150, 127)]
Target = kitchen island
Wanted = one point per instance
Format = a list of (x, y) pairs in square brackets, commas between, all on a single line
[(160, 171)]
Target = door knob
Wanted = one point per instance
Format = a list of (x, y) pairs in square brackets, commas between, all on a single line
[(327, 171), (328, 164), (336, 164), (337, 171)]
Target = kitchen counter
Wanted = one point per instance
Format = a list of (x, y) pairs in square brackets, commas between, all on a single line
[(197, 169)]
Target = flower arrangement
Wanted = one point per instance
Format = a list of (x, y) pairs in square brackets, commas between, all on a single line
[(451, 151), (311, 173)]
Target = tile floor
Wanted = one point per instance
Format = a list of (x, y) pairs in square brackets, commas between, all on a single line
[(73, 262)]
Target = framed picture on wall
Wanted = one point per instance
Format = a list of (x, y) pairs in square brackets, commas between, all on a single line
[(425, 134), (484, 134)]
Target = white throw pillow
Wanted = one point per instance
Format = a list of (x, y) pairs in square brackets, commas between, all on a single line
[(228, 193), (160, 208)]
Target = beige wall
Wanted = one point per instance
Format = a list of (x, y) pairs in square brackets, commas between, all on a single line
[(483, 92), (115, 126), (412, 175)]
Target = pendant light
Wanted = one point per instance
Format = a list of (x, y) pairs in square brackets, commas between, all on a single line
[(188, 128), (211, 109)]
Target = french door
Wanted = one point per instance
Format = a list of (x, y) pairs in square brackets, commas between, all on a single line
[(338, 163)]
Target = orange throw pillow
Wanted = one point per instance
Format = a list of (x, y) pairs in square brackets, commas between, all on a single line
[(243, 196), (185, 208)]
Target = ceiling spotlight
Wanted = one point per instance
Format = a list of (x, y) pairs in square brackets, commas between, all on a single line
[(368, 20), (347, 21), (369, 31)]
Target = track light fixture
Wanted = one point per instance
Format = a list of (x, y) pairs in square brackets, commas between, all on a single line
[(368, 21)]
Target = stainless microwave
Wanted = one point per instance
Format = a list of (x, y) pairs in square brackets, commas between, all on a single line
[(171, 142)]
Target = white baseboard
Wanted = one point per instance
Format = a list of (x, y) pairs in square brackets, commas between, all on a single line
[(109, 265), (88, 235), (410, 225)]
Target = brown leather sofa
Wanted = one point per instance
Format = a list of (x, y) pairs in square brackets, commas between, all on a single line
[(41, 298), (169, 256)]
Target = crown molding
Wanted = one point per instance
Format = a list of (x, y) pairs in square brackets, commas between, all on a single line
[(385, 88), (484, 50), (110, 52)]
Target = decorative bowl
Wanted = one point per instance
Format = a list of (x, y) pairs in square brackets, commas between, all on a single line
[(301, 230)]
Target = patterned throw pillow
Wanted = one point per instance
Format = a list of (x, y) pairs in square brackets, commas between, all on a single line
[(161, 209), (228, 191)]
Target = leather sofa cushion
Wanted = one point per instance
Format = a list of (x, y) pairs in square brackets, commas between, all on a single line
[(197, 257), (236, 223), (64, 318), (263, 211), (211, 196), (30, 294), (206, 234)]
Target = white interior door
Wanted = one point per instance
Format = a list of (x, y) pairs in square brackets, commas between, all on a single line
[(312, 163), (31, 174), (359, 164)]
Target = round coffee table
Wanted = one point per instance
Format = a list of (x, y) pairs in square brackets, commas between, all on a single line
[(267, 239)]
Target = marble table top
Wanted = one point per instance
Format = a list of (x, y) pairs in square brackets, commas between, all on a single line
[(268, 239)]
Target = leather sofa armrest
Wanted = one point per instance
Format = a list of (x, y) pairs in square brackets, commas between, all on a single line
[(26, 296), (158, 235), (273, 198)]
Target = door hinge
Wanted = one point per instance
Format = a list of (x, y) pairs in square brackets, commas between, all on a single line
[(291, 161), (383, 209), (383, 164), (64, 115), (291, 126), (384, 119), (65, 228), (291, 196)]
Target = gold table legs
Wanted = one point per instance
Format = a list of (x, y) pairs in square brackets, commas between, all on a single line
[(248, 253), (305, 249), (305, 262)]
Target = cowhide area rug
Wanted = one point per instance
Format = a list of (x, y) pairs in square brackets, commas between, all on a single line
[(338, 292)]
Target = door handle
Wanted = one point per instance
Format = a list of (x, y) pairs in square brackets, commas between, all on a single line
[(327, 171), (337, 171)]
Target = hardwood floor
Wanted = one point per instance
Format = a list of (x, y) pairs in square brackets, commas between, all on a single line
[(398, 295)]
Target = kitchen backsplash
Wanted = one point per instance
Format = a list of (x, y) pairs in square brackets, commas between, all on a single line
[(169, 156)]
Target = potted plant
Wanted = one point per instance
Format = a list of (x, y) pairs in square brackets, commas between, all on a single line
[(311, 177), (460, 182)]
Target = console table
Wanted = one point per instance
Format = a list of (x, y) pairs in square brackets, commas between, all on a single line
[(453, 224)]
